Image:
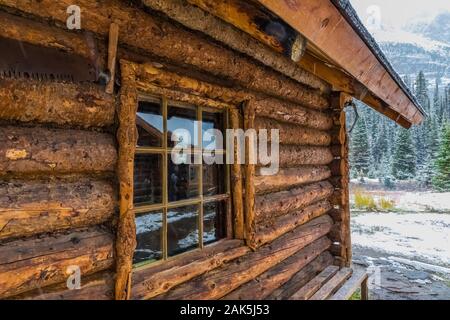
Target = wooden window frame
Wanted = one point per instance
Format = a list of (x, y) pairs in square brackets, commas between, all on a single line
[(164, 151), (146, 79)]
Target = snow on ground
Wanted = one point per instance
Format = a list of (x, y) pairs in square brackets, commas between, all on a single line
[(422, 237), (424, 201)]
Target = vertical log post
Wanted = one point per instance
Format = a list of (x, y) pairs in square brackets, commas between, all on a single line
[(127, 139), (112, 56), (236, 180), (340, 233), (250, 151)]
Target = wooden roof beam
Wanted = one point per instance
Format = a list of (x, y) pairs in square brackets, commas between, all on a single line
[(262, 26)]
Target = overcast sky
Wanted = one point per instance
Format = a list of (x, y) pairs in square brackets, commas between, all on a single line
[(397, 13)]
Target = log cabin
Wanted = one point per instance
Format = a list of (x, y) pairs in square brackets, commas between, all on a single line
[(91, 207)]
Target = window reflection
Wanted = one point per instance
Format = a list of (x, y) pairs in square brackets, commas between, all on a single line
[(213, 179), (214, 222), (183, 180), (149, 121), (185, 119), (212, 120), (148, 236), (147, 179), (182, 229)]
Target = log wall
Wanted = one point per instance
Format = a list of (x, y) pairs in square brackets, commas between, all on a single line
[(64, 168)]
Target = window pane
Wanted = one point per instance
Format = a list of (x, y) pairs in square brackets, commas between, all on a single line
[(213, 179), (182, 229), (182, 118), (183, 182), (148, 235), (213, 120), (214, 222), (147, 179), (149, 121)]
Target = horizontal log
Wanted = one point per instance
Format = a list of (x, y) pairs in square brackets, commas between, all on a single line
[(197, 19), (302, 277), (291, 113), (293, 134), (39, 150), (260, 287), (277, 204), (151, 281), (291, 177), (99, 286), (219, 282), (32, 207), (39, 262), (165, 39), (269, 231), (291, 156), (80, 105)]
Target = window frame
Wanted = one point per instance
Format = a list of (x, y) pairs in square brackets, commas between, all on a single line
[(164, 151)]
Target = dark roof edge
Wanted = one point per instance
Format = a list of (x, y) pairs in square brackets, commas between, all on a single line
[(351, 16)]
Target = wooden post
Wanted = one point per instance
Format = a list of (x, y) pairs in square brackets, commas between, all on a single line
[(236, 181), (365, 289), (250, 159), (112, 55), (340, 171), (127, 139)]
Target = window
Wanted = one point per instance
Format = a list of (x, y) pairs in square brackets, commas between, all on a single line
[(178, 206)]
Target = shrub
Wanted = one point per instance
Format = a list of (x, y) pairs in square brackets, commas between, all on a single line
[(386, 204), (364, 201)]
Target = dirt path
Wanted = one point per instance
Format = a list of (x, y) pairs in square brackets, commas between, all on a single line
[(408, 254)]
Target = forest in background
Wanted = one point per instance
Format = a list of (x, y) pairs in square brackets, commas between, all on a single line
[(380, 149)]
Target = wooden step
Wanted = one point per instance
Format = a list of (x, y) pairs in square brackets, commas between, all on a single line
[(357, 280), (332, 285), (315, 284)]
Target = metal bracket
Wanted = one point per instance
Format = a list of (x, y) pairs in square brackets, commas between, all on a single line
[(353, 105)]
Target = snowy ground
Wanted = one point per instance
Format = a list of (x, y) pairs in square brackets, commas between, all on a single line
[(408, 251)]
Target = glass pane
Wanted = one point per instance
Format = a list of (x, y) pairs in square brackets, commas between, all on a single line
[(213, 120), (148, 235), (183, 180), (182, 229), (182, 118), (147, 179), (214, 222), (213, 179), (149, 121)]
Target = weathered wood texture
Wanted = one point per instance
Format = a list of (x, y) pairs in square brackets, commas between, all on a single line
[(127, 136), (215, 285), (332, 285), (165, 39), (250, 168), (341, 176), (49, 151), (291, 177), (292, 156), (83, 105), (269, 230), (302, 277), (279, 203), (291, 113), (314, 285), (237, 189), (36, 263), (197, 19), (260, 287), (151, 281), (37, 206), (293, 134), (99, 286)]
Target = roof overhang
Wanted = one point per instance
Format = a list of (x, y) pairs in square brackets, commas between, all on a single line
[(336, 36)]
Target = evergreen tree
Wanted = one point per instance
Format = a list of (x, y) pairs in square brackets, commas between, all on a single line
[(360, 155), (403, 166), (441, 180)]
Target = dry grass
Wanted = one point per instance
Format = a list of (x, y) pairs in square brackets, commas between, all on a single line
[(366, 202)]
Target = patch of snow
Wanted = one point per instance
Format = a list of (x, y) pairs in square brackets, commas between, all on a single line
[(424, 236), (424, 201)]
